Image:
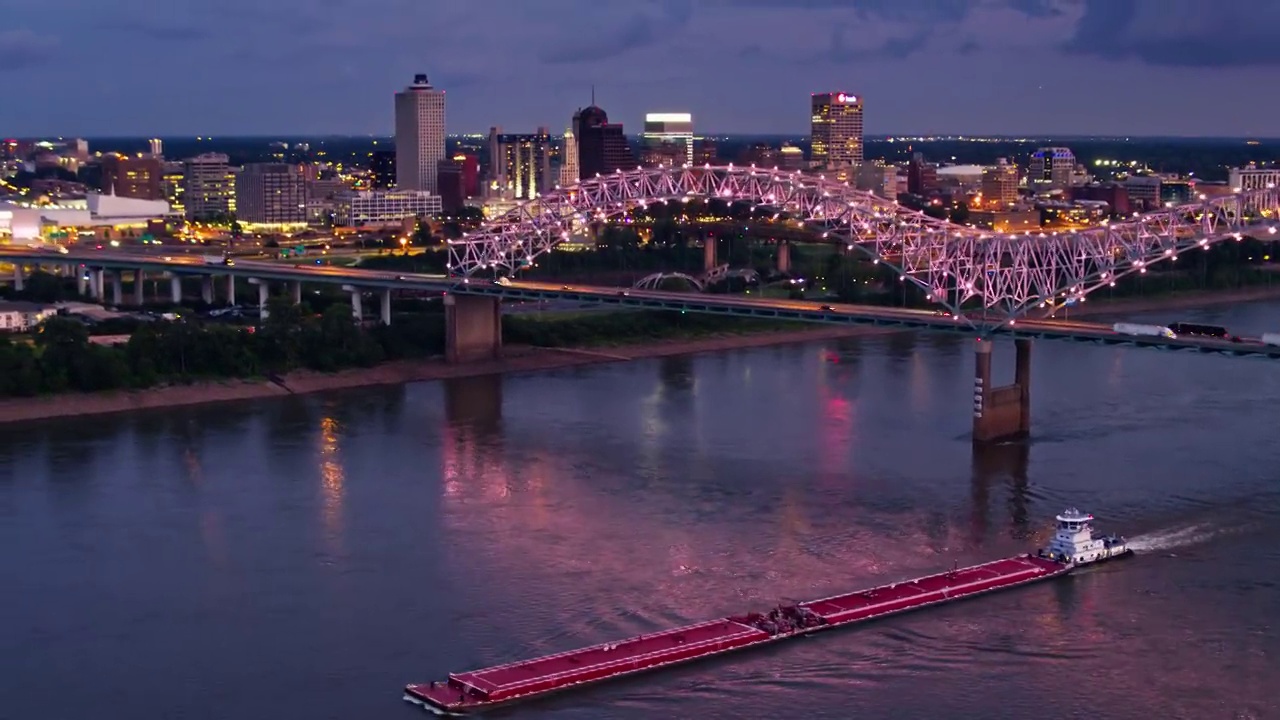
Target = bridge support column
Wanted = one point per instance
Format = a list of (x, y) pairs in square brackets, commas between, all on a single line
[(97, 284), (784, 257), (295, 289), (19, 278), (357, 302), (231, 289), (1001, 413), (264, 291), (175, 289), (83, 280), (117, 288), (708, 253), (472, 328), (386, 307), (139, 288), (206, 289)]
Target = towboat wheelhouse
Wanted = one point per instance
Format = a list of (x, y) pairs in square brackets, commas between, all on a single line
[(1075, 541)]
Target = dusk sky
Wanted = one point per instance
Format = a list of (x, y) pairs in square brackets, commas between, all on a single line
[(297, 67)]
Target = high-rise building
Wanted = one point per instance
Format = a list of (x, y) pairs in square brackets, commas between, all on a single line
[(132, 177), (1000, 183), (419, 135), (836, 130), (569, 159), (382, 165), (450, 185), (207, 186), (157, 147), (520, 165), (922, 176), (271, 194), (602, 146), (1051, 168), (664, 130)]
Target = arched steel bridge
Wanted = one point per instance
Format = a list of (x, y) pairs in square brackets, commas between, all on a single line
[(955, 265)]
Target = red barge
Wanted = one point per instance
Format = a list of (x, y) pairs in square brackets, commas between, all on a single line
[(483, 689)]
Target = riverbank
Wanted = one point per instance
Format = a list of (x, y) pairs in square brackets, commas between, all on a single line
[(516, 359)]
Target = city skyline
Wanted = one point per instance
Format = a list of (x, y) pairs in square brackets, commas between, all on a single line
[(995, 67)]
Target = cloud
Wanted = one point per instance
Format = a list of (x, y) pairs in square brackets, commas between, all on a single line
[(21, 49), (640, 30), (1179, 33)]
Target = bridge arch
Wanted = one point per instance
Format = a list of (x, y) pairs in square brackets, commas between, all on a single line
[(957, 266), (654, 281)]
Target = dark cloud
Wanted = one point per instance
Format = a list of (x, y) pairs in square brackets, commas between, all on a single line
[(640, 30), (1179, 33), (22, 49)]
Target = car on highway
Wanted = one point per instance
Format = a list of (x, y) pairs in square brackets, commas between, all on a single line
[(503, 281)]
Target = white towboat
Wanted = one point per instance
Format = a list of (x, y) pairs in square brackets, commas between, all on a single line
[(1076, 541)]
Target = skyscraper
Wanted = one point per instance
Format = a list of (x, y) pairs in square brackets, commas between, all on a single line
[(419, 136), (602, 147), (1051, 168), (569, 159), (836, 130), (520, 165), (668, 134), (208, 186), (271, 194)]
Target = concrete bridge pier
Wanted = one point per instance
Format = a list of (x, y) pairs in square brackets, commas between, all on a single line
[(295, 288), (386, 306), (357, 305), (708, 253), (264, 290), (83, 281), (98, 279), (784, 257), (175, 289), (231, 289), (206, 289), (472, 328), (139, 287), (19, 278), (117, 288), (1001, 413)]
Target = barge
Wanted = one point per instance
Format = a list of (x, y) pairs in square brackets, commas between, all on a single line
[(1074, 544)]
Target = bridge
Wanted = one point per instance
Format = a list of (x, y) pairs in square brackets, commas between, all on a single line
[(983, 284)]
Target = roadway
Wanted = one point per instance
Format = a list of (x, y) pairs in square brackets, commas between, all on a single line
[(771, 308)]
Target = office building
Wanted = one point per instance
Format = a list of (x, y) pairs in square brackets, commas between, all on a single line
[(420, 124), (922, 176), (668, 133), (520, 165), (132, 177), (568, 159), (836, 130), (1252, 177), (1051, 168), (1000, 184), (384, 207), (208, 190), (382, 166), (271, 194), (602, 146)]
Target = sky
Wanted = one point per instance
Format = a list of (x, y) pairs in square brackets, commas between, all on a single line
[(307, 67)]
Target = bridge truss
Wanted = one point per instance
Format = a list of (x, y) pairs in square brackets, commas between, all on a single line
[(956, 266)]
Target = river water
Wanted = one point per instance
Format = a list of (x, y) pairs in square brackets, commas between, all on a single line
[(305, 557)]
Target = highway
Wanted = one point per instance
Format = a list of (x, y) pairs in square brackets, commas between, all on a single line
[(778, 309)]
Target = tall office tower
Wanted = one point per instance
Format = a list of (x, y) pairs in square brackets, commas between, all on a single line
[(1000, 184), (132, 177), (520, 165), (602, 147), (271, 194), (419, 136), (569, 159), (382, 165), (1050, 168), (667, 133), (157, 147), (922, 176), (207, 188), (836, 130)]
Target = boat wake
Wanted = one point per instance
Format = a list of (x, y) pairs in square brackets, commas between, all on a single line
[(1175, 538)]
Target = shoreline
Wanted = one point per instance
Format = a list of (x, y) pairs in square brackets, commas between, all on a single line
[(516, 359), (521, 359)]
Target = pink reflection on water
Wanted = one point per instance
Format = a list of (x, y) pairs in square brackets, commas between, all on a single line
[(332, 485)]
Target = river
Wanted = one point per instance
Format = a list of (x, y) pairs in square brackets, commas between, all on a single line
[(305, 557)]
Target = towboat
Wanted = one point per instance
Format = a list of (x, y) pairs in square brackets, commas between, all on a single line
[(1074, 544)]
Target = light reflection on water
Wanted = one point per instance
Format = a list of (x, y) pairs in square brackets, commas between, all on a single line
[(488, 519)]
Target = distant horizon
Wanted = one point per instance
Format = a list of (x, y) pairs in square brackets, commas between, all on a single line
[(919, 137)]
